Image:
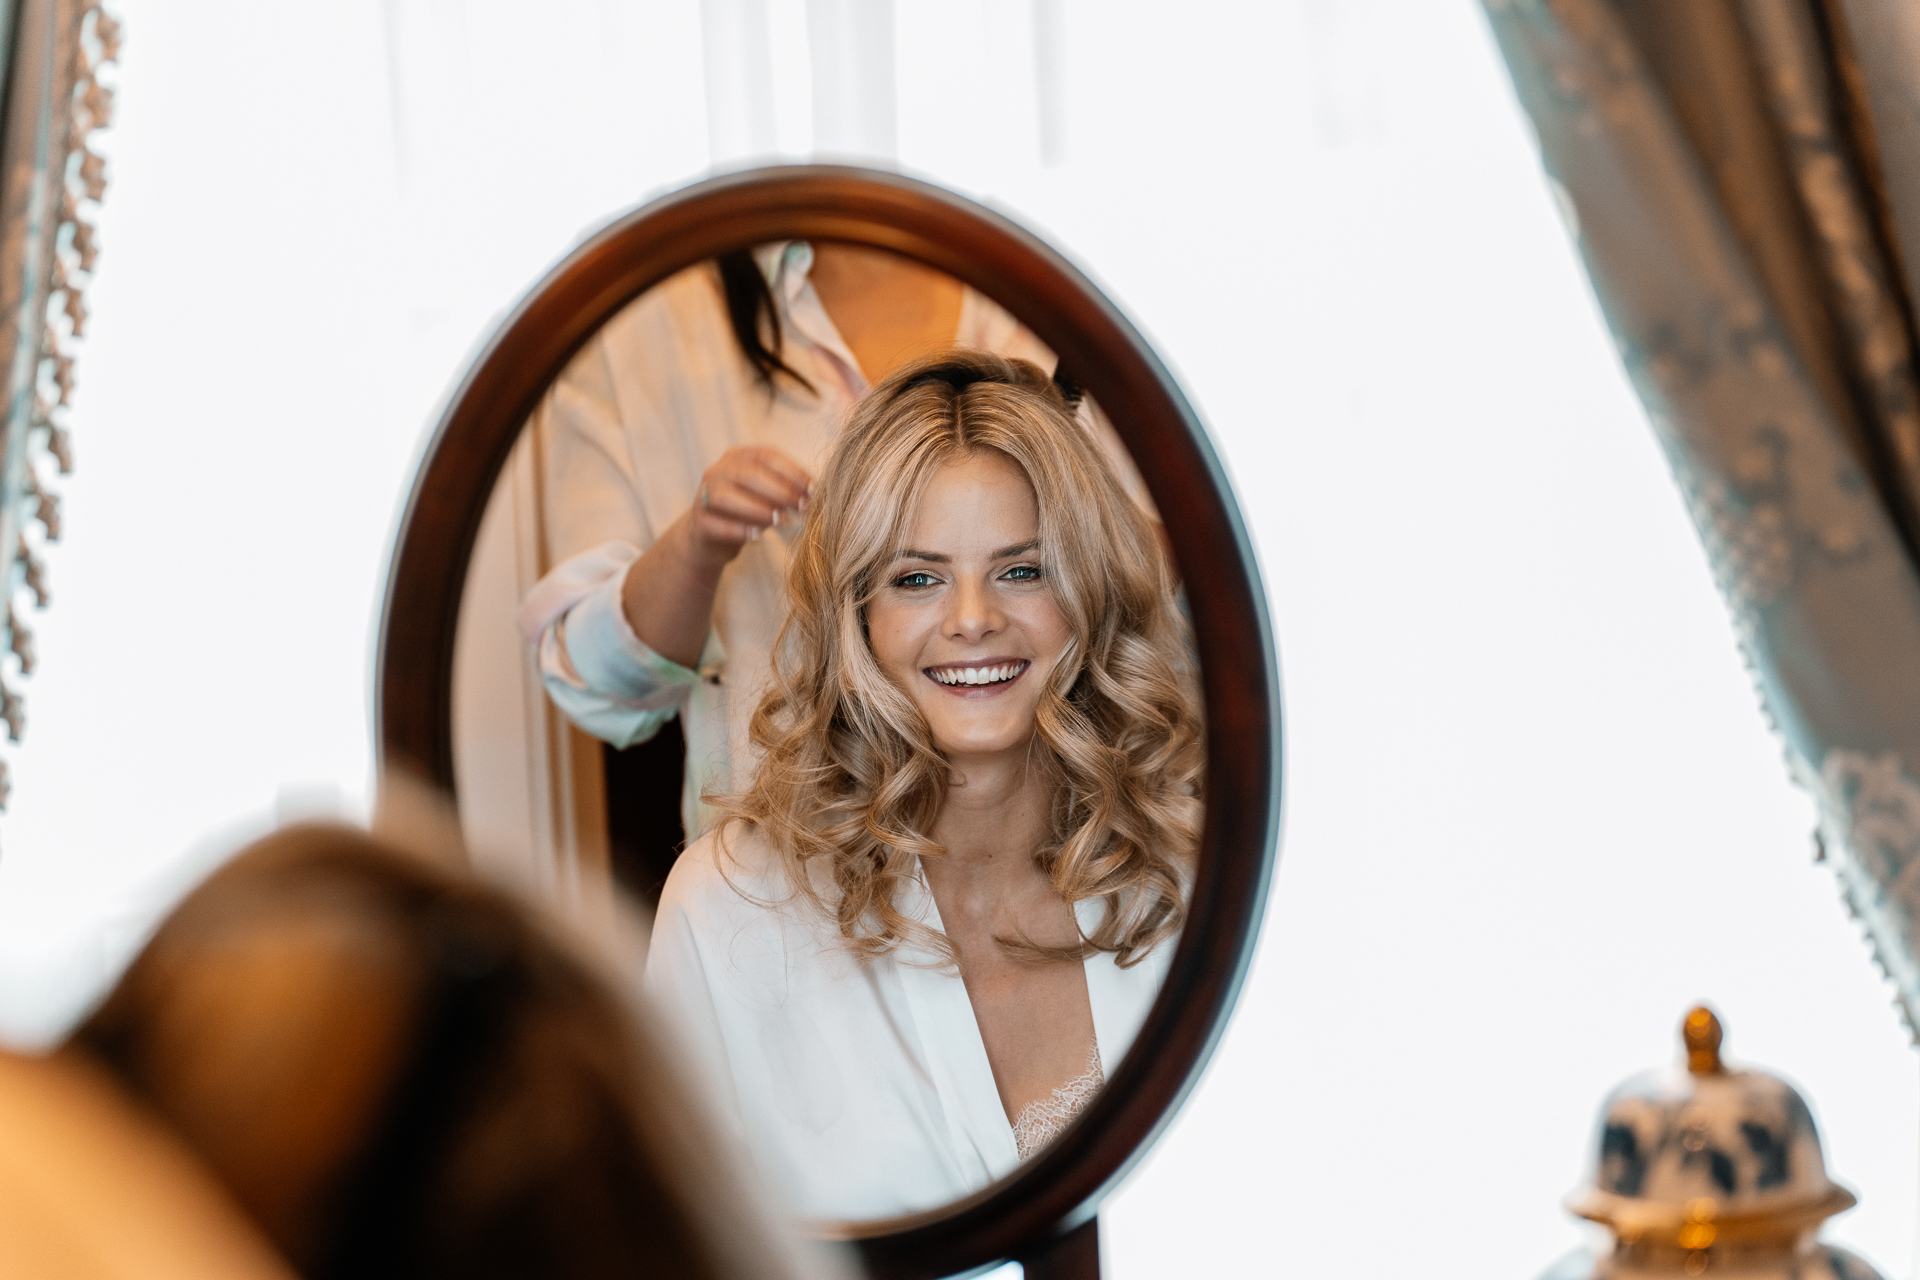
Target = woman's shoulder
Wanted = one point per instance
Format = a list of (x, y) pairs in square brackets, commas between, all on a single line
[(730, 895), (687, 308), (730, 865)]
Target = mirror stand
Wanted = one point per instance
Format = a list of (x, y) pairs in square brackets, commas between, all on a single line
[(1073, 1256)]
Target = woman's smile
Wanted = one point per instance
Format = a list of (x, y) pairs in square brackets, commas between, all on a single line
[(981, 679)]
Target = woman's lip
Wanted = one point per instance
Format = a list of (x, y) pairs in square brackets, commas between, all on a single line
[(979, 690)]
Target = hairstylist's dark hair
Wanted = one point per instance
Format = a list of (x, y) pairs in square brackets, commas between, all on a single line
[(751, 311), (1070, 391), (528, 1124)]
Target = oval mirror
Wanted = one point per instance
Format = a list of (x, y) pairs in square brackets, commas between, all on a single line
[(712, 346)]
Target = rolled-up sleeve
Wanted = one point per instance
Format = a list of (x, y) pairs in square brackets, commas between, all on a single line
[(600, 674)]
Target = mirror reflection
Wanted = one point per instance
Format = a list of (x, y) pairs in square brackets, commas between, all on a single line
[(820, 604)]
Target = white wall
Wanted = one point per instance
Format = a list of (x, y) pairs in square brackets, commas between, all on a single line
[(1532, 809)]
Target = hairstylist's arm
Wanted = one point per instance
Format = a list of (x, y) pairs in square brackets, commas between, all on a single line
[(668, 593)]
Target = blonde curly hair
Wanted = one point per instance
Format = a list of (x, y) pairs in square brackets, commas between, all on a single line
[(850, 781)]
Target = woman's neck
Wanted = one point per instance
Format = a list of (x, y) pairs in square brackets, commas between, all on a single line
[(995, 815), (888, 308)]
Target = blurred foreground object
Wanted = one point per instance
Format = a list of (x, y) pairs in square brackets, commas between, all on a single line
[(50, 178), (400, 1072), (93, 1187), (1698, 1170), (1743, 181)]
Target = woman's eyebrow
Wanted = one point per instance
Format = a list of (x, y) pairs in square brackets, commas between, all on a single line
[(934, 557)]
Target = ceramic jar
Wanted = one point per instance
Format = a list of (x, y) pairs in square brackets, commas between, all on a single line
[(1702, 1171)]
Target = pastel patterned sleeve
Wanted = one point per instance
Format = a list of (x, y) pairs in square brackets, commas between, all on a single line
[(600, 674)]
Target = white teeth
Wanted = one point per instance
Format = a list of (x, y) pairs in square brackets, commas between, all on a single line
[(978, 675)]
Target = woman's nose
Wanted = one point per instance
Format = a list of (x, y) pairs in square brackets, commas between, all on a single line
[(972, 613)]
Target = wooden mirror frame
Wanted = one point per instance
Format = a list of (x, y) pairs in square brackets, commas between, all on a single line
[(1043, 1213)]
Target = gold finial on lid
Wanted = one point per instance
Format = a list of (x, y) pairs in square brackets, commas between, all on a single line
[(1701, 1031)]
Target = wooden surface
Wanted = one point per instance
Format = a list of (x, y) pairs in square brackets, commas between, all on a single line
[(1073, 1256), (1113, 363)]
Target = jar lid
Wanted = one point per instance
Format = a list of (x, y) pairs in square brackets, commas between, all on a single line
[(1695, 1154)]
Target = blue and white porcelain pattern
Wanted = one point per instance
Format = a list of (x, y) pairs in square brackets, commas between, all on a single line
[(1744, 1138), (1699, 1170)]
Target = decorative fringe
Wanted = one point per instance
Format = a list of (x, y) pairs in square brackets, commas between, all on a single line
[(76, 254)]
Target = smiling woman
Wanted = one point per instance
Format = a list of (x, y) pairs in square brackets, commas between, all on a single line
[(947, 900)]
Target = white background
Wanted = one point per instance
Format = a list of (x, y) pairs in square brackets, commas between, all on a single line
[(1532, 810)]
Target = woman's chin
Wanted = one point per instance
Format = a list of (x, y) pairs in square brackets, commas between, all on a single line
[(978, 749)]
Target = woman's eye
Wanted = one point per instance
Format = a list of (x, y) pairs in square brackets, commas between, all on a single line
[(913, 581), (1022, 573)]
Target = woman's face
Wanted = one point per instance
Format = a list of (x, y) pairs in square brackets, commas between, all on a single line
[(966, 621)]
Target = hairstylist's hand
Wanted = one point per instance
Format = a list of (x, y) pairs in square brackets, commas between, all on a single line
[(750, 489), (668, 592)]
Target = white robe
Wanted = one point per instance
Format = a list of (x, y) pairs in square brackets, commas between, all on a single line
[(861, 1088)]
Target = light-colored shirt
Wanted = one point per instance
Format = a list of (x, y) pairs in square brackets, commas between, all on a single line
[(634, 422), (861, 1088)]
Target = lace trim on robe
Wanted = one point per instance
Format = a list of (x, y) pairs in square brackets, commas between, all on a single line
[(1041, 1122)]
